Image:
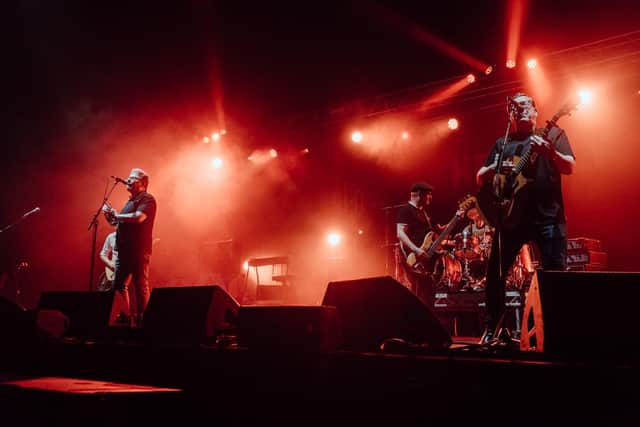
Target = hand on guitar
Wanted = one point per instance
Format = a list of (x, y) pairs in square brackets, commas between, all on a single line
[(109, 213), (542, 146)]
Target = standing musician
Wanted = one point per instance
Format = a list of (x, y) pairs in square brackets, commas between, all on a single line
[(133, 242), (412, 225), (540, 201)]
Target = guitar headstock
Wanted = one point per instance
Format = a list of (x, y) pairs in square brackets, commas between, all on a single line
[(568, 107), (466, 203)]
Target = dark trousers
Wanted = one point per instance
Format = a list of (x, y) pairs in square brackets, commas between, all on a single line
[(421, 286), (133, 269), (551, 241)]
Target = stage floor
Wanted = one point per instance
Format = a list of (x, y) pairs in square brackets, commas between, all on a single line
[(465, 383)]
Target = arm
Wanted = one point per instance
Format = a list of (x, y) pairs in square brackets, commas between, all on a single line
[(106, 253), (485, 174), (401, 232), (563, 162), (134, 217)]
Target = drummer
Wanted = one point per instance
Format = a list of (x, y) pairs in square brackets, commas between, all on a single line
[(480, 229)]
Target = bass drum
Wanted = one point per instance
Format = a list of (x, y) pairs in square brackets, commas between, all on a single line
[(447, 273)]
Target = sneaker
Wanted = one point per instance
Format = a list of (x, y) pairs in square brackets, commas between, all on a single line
[(487, 336), (123, 320)]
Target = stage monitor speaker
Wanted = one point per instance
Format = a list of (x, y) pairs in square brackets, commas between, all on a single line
[(582, 315), (291, 328), (89, 313), (16, 323), (375, 309), (188, 315)]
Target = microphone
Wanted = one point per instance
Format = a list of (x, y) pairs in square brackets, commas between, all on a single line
[(118, 179), (31, 212)]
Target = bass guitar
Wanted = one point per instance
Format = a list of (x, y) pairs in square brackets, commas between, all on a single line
[(432, 241), (499, 199)]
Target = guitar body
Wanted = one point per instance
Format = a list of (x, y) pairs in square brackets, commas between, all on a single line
[(424, 265), (510, 208)]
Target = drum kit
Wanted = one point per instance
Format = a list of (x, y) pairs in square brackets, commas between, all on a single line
[(462, 266)]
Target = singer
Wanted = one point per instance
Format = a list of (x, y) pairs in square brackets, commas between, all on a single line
[(540, 205), (133, 243)]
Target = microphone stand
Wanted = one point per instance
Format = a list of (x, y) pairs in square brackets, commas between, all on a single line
[(386, 242), (7, 227), (499, 223), (93, 224)]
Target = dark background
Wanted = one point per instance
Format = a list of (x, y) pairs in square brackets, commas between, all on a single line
[(93, 89)]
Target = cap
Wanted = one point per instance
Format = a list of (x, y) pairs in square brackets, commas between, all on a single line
[(137, 173), (421, 187)]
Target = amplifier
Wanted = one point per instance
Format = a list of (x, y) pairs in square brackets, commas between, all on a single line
[(582, 244), (587, 267), (587, 257)]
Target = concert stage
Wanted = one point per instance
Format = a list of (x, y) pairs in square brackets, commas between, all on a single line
[(463, 384), (293, 365)]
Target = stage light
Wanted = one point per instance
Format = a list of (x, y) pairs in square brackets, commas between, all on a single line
[(223, 131), (405, 135), (453, 124), (334, 239), (356, 137), (304, 151), (273, 153), (215, 136), (217, 163), (205, 139), (532, 63), (511, 63), (488, 70), (471, 78), (245, 265), (360, 232), (585, 97)]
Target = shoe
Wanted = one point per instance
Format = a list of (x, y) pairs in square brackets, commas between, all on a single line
[(123, 320), (487, 336)]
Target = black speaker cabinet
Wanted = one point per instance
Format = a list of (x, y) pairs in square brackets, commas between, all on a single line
[(374, 309), (582, 315), (188, 315), (89, 313), (290, 328)]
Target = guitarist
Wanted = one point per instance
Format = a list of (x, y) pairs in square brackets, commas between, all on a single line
[(412, 225), (542, 219), (108, 255)]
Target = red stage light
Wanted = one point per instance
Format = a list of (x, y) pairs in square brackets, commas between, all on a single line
[(532, 63), (356, 137), (511, 63), (453, 124)]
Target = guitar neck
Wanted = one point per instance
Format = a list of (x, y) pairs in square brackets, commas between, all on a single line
[(545, 132), (445, 233)]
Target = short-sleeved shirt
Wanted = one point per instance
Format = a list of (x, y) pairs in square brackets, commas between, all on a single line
[(417, 221), (134, 239), (542, 198)]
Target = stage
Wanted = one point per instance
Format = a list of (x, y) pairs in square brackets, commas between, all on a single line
[(230, 384)]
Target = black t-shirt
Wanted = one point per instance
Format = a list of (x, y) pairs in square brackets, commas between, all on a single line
[(418, 223), (542, 198), (136, 238)]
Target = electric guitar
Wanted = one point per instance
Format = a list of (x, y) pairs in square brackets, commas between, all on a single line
[(499, 198), (432, 241)]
